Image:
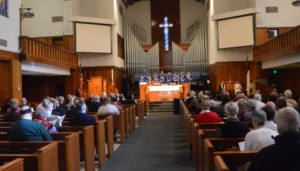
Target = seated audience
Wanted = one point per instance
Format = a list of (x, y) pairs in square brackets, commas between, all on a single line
[(207, 116), (89, 102), (26, 129), (242, 104), (270, 112), (40, 116), (23, 102), (130, 99), (5, 106), (81, 118), (261, 136), (114, 101), (214, 108), (232, 128), (194, 107), (284, 154), (280, 103), (192, 95), (57, 108), (95, 105), (14, 115), (289, 98), (107, 108), (259, 103), (251, 106)]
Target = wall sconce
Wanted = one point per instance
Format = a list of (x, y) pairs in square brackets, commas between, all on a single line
[(296, 3), (25, 13)]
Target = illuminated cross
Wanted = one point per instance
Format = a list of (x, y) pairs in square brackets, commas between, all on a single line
[(166, 26)]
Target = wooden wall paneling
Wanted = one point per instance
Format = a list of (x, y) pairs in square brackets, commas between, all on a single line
[(16, 82), (228, 71), (5, 81), (69, 42), (262, 34), (72, 83), (120, 47), (113, 75), (159, 10), (104, 86)]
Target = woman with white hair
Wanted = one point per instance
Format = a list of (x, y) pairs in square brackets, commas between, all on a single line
[(284, 154)]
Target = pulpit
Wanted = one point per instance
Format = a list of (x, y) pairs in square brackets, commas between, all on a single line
[(230, 87), (95, 86)]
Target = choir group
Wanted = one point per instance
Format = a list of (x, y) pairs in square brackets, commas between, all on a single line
[(166, 77)]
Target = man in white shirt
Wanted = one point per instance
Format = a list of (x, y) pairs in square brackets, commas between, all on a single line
[(260, 137), (107, 108)]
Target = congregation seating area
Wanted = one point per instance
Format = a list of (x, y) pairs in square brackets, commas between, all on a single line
[(92, 144), (210, 153)]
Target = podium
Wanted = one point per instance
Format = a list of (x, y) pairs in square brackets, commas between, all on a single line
[(230, 87)]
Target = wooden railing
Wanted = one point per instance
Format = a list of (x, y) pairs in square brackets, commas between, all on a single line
[(34, 50), (284, 44)]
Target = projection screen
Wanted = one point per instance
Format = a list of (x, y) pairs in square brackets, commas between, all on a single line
[(236, 32), (93, 38)]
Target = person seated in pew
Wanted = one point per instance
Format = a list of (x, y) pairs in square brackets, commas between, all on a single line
[(40, 116), (194, 107), (23, 102), (14, 115), (114, 101), (57, 109), (95, 105), (81, 118), (284, 154), (106, 107), (251, 106), (232, 128), (6, 105), (192, 95), (47, 107), (26, 129), (270, 111), (130, 99), (89, 102), (207, 116), (261, 136)]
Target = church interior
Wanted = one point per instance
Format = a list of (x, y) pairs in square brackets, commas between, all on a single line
[(51, 48)]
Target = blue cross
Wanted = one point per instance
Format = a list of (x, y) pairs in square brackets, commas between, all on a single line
[(166, 26)]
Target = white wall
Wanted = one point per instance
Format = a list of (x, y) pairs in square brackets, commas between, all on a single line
[(92, 60), (140, 14), (10, 27), (190, 11), (222, 6), (287, 16), (225, 55), (41, 24)]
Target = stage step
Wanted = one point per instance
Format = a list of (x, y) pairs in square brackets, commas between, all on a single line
[(161, 108)]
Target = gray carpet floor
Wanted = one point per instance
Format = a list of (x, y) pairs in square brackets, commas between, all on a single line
[(158, 144)]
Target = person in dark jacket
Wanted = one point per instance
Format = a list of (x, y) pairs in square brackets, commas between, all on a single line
[(14, 115), (26, 129), (232, 128), (284, 154), (81, 118)]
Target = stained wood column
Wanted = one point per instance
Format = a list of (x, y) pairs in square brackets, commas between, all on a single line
[(16, 82), (159, 10)]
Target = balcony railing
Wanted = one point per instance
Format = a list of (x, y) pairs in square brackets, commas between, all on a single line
[(284, 44), (34, 50)]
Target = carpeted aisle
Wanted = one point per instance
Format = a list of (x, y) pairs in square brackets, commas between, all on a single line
[(158, 144)]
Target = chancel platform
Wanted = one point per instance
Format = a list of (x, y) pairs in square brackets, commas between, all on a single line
[(157, 92)]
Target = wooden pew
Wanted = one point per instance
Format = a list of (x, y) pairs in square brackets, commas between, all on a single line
[(87, 145), (131, 117), (234, 160), (37, 156), (67, 144), (100, 138), (14, 165), (213, 146), (108, 135), (118, 123)]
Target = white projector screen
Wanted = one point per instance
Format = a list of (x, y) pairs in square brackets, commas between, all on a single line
[(93, 38), (236, 32)]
